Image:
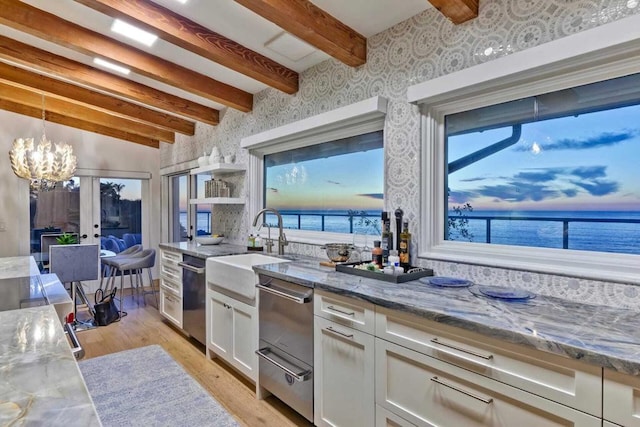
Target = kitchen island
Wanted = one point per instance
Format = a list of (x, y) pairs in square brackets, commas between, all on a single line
[(41, 383)]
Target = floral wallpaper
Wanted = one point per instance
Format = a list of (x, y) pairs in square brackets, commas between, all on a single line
[(419, 49)]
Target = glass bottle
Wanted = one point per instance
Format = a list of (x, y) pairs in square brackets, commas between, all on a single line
[(376, 253), (405, 246)]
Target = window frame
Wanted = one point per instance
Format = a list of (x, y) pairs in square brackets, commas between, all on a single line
[(602, 53), (355, 119)]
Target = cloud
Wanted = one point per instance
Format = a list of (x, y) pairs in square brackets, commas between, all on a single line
[(473, 179), (518, 192), (542, 175), (379, 196), (272, 189), (542, 184), (605, 139), (333, 182), (590, 172), (598, 188)]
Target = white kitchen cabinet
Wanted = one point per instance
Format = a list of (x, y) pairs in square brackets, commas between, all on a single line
[(232, 332), (385, 418), (427, 392), (562, 380), (621, 398), (343, 373), (171, 286), (346, 311)]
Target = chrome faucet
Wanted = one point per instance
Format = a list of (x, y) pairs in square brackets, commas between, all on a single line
[(282, 239)]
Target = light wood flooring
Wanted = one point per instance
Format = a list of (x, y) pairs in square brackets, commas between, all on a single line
[(145, 326)]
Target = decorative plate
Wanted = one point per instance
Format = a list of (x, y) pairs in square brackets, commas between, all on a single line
[(446, 282), (500, 292)]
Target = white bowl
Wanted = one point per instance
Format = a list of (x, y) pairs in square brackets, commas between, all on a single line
[(209, 240)]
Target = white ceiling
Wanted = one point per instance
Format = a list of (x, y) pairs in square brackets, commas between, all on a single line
[(228, 18)]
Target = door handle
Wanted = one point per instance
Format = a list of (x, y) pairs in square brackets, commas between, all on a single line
[(302, 375), (198, 270), (300, 300)]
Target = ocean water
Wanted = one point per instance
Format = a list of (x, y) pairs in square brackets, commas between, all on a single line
[(621, 235), (536, 231)]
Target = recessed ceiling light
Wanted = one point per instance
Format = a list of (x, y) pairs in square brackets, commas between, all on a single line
[(133, 32), (111, 66), (181, 1)]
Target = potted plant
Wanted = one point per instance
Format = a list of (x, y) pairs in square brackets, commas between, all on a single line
[(66, 239)]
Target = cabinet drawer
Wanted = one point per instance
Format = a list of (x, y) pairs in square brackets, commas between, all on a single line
[(560, 379), (385, 418), (171, 285), (621, 403), (427, 392), (172, 272), (171, 306), (350, 312), (170, 257)]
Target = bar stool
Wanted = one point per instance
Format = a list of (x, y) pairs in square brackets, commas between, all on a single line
[(134, 263), (107, 263)]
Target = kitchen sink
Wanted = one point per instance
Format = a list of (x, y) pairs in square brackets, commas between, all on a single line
[(234, 273)]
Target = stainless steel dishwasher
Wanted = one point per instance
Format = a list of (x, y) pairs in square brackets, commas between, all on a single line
[(194, 294), (286, 342)]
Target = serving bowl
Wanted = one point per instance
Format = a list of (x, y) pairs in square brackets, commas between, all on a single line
[(210, 240), (338, 252)]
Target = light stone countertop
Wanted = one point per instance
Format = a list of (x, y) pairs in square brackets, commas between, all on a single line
[(205, 251), (40, 382), (598, 335)]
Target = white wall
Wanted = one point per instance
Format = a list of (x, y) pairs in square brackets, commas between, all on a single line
[(93, 151)]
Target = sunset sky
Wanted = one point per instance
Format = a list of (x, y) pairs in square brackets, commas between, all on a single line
[(589, 162), (350, 181)]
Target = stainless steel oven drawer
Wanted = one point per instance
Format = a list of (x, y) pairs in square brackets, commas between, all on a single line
[(288, 378), (286, 317)]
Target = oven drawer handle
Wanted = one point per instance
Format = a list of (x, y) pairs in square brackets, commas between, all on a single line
[(301, 376), (471, 352), (300, 300), (198, 270), (335, 331), (77, 349), (487, 400)]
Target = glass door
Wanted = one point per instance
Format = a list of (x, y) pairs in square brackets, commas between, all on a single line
[(119, 212)]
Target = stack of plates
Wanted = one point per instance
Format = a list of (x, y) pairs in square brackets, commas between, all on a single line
[(500, 292)]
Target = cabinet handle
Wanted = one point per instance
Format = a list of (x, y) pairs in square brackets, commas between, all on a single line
[(330, 329), (473, 353), (332, 308), (487, 400)]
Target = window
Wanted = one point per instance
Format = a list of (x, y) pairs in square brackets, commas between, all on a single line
[(324, 173), (318, 188), (549, 100), (557, 170), (178, 207)]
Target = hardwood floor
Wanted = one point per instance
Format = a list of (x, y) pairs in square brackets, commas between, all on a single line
[(145, 326)]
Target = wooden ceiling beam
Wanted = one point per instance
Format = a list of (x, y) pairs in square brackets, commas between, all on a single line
[(200, 40), (34, 58), (308, 22), (33, 99), (47, 26), (88, 97), (457, 11), (26, 110)]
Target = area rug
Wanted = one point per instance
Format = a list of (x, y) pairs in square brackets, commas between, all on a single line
[(146, 387)]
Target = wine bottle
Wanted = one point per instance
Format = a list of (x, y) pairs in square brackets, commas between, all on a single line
[(405, 247), (386, 240)]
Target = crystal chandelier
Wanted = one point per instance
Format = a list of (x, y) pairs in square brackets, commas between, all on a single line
[(45, 164)]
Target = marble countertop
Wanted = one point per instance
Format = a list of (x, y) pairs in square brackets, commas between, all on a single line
[(205, 251), (18, 267), (598, 335), (40, 382)]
